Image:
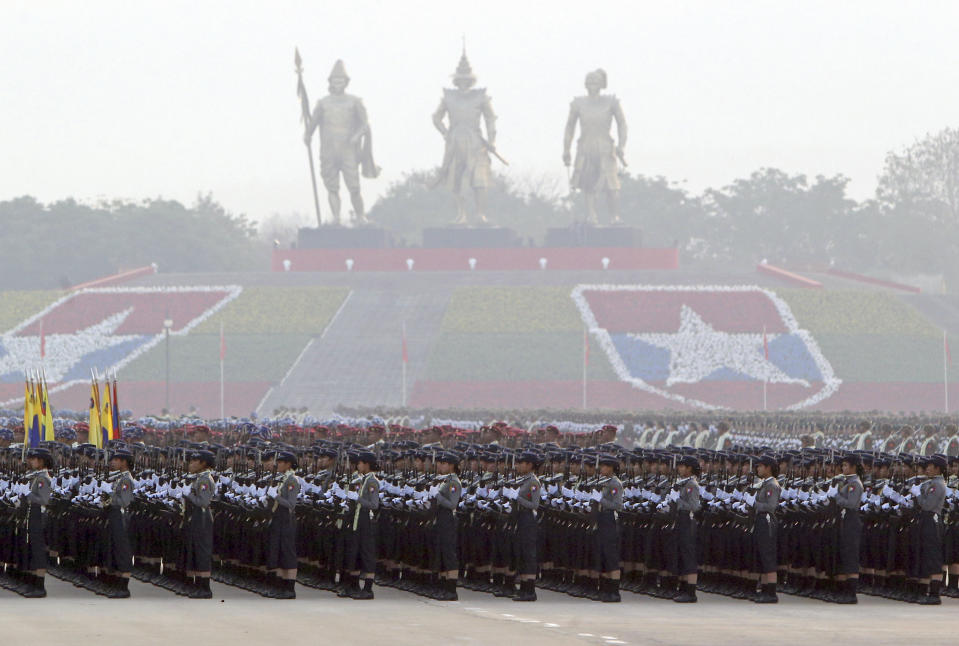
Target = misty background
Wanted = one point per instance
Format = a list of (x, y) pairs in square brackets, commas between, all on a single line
[(752, 125)]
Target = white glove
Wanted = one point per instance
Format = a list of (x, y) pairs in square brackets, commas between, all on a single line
[(353, 495), (271, 492), (914, 490), (597, 495), (673, 495)]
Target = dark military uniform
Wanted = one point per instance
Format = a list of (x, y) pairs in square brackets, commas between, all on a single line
[(527, 505), (848, 500), (282, 539), (198, 524)]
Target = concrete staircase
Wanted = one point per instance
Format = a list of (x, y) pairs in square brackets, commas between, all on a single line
[(942, 310), (358, 358)]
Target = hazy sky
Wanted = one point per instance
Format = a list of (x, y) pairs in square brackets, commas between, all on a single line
[(131, 99)]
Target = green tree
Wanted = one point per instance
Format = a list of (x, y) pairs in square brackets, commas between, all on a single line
[(412, 204), (923, 179), (782, 218), (66, 243)]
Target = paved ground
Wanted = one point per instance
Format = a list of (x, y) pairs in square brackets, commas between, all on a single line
[(155, 616)]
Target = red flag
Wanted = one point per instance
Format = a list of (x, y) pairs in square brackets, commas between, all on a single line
[(765, 344), (222, 343), (117, 431), (43, 341), (406, 358)]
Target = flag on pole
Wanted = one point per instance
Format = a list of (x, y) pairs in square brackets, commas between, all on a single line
[(96, 434), (27, 407), (117, 430), (36, 412), (106, 417), (48, 434)]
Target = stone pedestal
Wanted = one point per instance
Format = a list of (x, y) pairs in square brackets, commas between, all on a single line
[(333, 237), (469, 238), (580, 235)]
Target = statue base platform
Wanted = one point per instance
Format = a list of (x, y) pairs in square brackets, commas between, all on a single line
[(469, 238), (334, 237), (476, 259), (588, 235)]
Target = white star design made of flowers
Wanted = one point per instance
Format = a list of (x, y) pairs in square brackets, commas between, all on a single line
[(697, 350)]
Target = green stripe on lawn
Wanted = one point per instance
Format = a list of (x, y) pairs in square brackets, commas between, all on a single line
[(17, 306), (277, 310), (885, 357), (851, 312), (511, 310), (196, 357)]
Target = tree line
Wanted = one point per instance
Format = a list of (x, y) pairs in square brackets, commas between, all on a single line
[(910, 226)]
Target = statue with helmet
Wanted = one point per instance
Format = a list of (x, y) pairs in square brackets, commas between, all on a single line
[(466, 158), (595, 168), (346, 144)]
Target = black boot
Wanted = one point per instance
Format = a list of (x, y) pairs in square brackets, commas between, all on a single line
[(449, 590), (847, 592), (687, 593), (508, 589), (932, 597), (952, 590), (348, 584), (201, 588), (527, 591), (364, 593), (286, 588), (122, 588), (767, 594), (36, 590), (668, 587), (609, 591)]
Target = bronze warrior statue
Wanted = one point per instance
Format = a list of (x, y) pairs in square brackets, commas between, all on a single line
[(595, 168)]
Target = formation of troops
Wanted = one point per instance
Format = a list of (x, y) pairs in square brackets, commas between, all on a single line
[(496, 510)]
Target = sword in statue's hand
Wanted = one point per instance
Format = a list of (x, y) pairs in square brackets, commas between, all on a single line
[(492, 151)]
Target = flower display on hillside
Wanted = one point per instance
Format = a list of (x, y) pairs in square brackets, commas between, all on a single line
[(698, 344), (103, 328)]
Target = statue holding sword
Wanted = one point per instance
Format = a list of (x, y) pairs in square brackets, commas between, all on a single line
[(596, 166), (466, 157)]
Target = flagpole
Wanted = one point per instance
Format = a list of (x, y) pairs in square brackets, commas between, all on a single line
[(404, 363), (765, 373), (222, 353), (585, 361), (945, 370)]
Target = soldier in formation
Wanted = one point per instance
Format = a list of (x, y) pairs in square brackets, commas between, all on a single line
[(582, 516)]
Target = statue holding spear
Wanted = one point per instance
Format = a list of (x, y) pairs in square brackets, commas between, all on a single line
[(346, 144)]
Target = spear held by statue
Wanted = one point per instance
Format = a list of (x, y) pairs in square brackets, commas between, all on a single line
[(305, 109)]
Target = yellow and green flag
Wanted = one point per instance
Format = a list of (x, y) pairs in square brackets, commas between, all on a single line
[(96, 433)]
